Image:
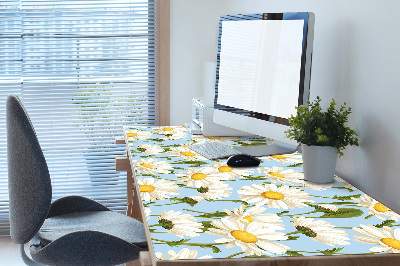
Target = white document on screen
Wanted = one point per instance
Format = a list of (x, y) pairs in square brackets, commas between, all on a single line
[(260, 64)]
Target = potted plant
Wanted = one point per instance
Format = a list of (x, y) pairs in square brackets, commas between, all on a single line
[(323, 135)]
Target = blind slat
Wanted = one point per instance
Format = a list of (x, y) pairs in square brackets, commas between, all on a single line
[(83, 69)]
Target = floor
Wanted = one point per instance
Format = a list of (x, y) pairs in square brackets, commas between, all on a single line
[(9, 253)]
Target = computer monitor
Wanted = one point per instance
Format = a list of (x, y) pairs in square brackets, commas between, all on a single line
[(263, 73)]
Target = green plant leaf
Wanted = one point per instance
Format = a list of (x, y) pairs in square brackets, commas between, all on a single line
[(293, 253), (343, 213), (346, 197), (213, 248), (214, 214), (295, 165), (206, 225), (256, 256), (330, 251), (176, 243), (388, 223)]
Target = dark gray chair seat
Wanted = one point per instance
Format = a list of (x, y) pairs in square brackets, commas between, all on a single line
[(72, 230), (107, 222)]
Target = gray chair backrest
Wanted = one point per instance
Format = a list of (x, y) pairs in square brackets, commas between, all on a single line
[(29, 183)]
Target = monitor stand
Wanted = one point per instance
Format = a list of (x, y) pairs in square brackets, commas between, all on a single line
[(266, 150)]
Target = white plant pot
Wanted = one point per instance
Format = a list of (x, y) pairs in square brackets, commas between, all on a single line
[(319, 163)]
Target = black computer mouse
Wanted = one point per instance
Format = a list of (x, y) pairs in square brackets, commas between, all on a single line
[(242, 160)]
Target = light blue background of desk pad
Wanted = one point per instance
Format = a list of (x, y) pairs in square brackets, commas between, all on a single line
[(304, 245)]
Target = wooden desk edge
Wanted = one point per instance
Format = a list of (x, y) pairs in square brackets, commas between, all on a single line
[(149, 258)]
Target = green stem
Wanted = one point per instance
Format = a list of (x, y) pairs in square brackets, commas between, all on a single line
[(292, 233), (160, 205), (321, 197), (297, 214), (188, 244), (234, 255)]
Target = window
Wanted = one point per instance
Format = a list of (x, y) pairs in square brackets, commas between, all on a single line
[(83, 69)]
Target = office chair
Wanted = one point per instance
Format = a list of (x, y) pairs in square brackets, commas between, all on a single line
[(70, 231)]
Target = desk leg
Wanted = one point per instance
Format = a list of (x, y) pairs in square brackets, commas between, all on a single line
[(132, 198)]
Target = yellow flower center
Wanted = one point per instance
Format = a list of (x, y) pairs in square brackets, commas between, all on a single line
[(282, 157), (199, 176), (168, 129), (380, 207), (244, 236), (130, 135), (272, 195), (248, 218), (393, 243), (225, 169), (146, 165), (276, 174), (146, 188), (188, 153), (214, 137)]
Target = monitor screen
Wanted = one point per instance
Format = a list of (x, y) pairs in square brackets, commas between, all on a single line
[(263, 73), (260, 63)]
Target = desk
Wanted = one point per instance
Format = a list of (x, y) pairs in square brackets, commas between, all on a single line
[(200, 211)]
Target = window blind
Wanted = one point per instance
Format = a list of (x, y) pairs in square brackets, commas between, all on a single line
[(83, 69)]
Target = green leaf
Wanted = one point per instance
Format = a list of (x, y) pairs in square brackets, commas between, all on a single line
[(283, 212), (296, 165), (346, 197), (256, 256), (385, 223), (214, 214), (213, 248), (343, 213), (176, 243), (330, 251), (193, 163), (293, 253), (293, 237), (207, 225)]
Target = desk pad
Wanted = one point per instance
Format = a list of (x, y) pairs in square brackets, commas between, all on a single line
[(198, 208)]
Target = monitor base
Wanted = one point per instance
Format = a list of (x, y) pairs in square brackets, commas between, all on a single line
[(267, 150)]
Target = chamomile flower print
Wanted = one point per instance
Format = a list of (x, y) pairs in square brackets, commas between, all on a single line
[(171, 133), (179, 224), (285, 158), (186, 153), (152, 166), (314, 186), (253, 238), (376, 208), (270, 210), (184, 254), (151, 190), (277, 174), (320, 231), (256, 214), (227, 172), (329, 207), (274, 197), (150, 149), (345, 184), (198, 177), (215, 191), (147, 212), (385, 239), (138, 134)]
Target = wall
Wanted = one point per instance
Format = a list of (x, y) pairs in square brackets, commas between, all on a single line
[(355, 60), (194, 41)]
